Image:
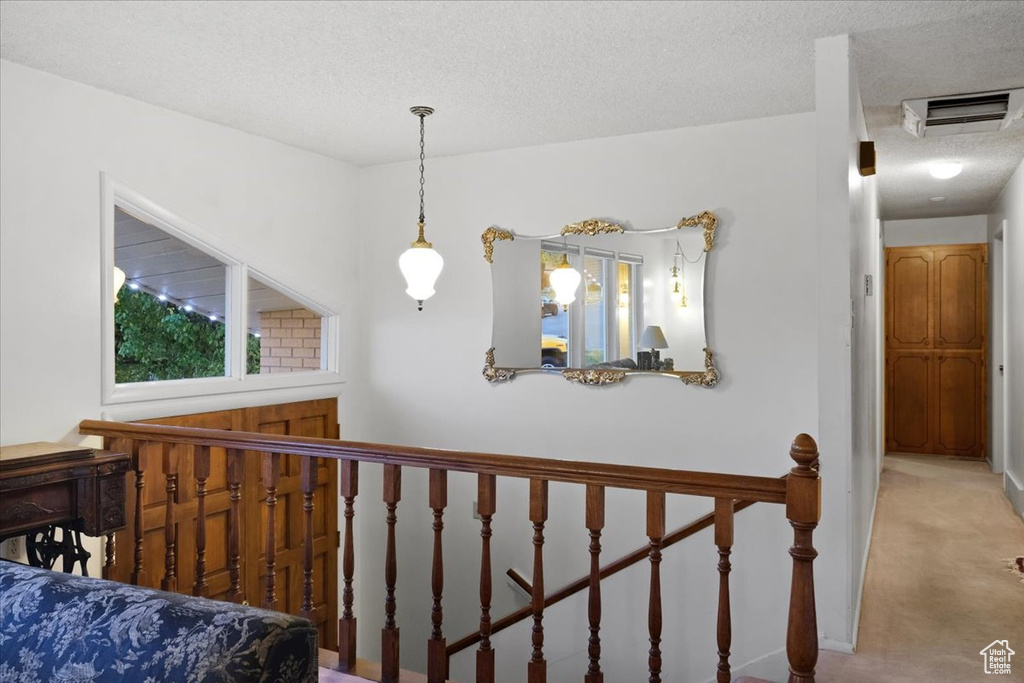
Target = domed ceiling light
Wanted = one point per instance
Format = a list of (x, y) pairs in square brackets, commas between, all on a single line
[(944, 170)]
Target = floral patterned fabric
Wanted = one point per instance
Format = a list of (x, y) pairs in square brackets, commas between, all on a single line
[(60, 628)]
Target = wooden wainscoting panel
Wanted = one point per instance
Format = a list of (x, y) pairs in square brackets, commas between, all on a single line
[(306, 418), (318, 419)]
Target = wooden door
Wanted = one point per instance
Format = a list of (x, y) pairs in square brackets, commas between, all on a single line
[(936, 321), (306, 418)]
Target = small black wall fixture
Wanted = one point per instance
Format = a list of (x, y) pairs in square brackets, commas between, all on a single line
[(867, 158)]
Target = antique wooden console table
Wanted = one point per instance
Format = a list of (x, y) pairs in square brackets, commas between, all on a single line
[(45, 487)]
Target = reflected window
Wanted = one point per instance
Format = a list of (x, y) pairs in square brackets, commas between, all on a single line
[(597, 274), (555, 321)]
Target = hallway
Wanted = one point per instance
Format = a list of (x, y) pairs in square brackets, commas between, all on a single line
[(937, 589)]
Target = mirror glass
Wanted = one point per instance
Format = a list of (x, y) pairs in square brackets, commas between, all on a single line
[(639, 305)]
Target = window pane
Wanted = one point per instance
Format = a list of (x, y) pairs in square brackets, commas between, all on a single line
[(595, 310), (284, 336), (169, 315), (625, 314), (554, 322)]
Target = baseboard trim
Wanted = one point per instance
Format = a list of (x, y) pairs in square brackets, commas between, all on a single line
[(773, 666), (863, 572), (836, 646), (1014, 491)]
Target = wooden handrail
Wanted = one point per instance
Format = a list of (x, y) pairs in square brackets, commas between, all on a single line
[(708, 484), (165, 447), (580, 584)]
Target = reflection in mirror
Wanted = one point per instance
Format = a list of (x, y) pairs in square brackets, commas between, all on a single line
[(639, 305)]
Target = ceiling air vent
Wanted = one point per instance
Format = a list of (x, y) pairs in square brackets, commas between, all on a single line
[(958, 114)]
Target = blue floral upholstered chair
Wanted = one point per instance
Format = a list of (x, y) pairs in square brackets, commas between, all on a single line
[(63, 628)]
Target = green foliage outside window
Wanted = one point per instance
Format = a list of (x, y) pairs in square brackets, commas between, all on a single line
[(154, 340)]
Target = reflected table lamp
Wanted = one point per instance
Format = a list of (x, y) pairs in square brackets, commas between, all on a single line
[(653, 338)]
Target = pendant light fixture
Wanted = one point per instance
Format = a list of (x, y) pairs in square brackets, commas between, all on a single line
[(421, 264), (565, 279), (678, 291)]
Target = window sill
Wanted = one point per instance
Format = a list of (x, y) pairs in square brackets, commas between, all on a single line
[(217, 386)]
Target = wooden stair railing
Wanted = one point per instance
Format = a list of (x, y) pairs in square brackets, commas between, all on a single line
[(800, 492), (595, 576)]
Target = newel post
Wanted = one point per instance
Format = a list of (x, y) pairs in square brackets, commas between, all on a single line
[(803, 509)]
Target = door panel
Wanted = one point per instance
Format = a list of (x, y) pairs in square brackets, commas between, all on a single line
[(910, 282), (960, 383), (936, 321), (960, 297), (909, 397)]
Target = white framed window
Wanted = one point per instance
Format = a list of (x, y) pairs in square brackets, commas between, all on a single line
[(182, 283)]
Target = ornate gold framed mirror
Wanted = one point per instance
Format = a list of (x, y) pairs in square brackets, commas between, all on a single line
[(613, 301)]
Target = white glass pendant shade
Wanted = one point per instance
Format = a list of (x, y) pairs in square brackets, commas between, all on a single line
[(677, 294), (119, 279), (421, 265), (565, 279)]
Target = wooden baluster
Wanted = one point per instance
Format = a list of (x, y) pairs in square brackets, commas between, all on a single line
[(723, 539), (108, 555), (595, 523), (436, 657), (201, 456), (803, 509), (151, 451), (486, 505), (236, 463), (307, 476), (389, 634), (655, 531), (271, 475), (347, 621), (170, 467), (537, 669), (110, 569)]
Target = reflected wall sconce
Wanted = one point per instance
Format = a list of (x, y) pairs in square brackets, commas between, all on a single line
[(421, 264), (678, 288)]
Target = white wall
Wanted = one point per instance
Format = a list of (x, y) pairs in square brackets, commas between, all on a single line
[(837, 204), (1008, 213), (425, 386), (293, 209), (866, 259), (928, 231)]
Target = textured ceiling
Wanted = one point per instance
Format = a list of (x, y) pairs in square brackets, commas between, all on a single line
[(338, 77), (973, 54)]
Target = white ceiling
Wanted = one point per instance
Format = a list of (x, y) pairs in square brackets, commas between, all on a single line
[(974, 54), (338, 77)]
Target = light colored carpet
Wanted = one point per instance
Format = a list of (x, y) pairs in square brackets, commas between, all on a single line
[(936, 589)]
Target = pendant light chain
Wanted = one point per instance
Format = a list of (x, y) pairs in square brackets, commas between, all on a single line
[(420, 263), (422, 158)]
